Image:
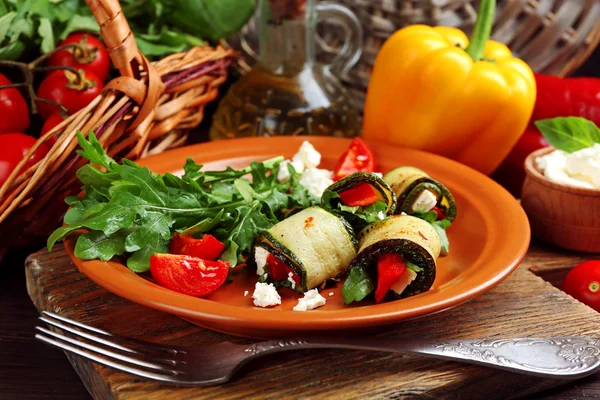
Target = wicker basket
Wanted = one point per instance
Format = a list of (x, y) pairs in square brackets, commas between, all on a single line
[(149, 108), (552, 36)]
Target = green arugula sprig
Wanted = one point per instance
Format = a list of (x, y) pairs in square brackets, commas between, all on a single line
[(439, 226), (569, 134), (358, 216), (129, 210)]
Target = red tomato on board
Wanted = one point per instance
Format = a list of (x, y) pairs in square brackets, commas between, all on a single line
[(90, 57), (188, 275), (583, 283), (65, 88), (207, 248), (14, 114), (357, 158), (362, 194), (13, 148)]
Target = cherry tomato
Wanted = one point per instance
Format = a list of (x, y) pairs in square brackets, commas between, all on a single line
[(207, 248), (583, 283), (13, 148), (67, 89), (90, 56), (511, 173), (53, 120), (188, 275), (362, 194), (279, 270), (390, 268), (14, 114), (357, 158)]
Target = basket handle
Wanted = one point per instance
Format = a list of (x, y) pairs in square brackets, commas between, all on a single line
[(127, 58)]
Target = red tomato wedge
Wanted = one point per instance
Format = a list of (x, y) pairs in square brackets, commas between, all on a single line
[(188, 275), (390, 268), (362, 194), (357, 158), (279, 270), (207, 248)]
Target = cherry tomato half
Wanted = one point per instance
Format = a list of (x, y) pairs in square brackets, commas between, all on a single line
[(14, 114), (13, 148), (66, 88), (357, 158), (188, 275), (90, 56), (207, 248), (583, 283)]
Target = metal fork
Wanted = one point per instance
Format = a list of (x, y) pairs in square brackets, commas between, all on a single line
[(563, 357)]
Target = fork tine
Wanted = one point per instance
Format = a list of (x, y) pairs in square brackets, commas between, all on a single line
[(104, 352), (103, 361), (126, 344)]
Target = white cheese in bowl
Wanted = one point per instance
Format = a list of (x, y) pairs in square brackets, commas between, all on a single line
[(580, 168)]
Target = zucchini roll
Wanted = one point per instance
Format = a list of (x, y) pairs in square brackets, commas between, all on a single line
[(396, 259), (417, 192), (362, 198), (306, 249)]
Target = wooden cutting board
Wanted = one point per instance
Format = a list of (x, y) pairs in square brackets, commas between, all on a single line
[(523, 305)]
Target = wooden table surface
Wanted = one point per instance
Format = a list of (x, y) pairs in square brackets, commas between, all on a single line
[(32, 370)]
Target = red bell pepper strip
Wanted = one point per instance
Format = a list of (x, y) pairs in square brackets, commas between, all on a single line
[(207, 248), (362, 194), (439, 212), (279, 270), (390, 268), (357, 158), (188, 275)]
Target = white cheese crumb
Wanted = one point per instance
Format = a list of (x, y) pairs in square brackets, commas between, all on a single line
[(330, 294), (378, 174), (308, 155), (316, 180), (284, 173), (403, 213), (291, 280), (425, 201), (265, 295), (311, 300), (405, 279), (260, 257), (246, 293)]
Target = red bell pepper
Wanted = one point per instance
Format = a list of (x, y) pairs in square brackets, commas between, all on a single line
[(279, 270), (362, 194), (439, 212), (207, 248), (390, 268)]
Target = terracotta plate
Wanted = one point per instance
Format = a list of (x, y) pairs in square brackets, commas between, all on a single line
[(488, 240)]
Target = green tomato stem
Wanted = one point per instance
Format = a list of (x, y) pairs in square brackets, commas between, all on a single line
[(482, 29)]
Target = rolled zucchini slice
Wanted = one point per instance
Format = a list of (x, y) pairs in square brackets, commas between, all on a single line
[(414, 239), (314, 244), (416, 191)]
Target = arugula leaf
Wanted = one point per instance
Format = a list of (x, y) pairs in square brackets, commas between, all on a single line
[(357, 286), (569, 134), (357, 216), (439, 226), (413, 267), (96, 244), (140, 260)]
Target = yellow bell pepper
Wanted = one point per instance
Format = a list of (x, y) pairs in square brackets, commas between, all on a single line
[(432, 90)]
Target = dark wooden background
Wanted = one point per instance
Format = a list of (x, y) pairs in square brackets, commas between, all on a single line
[(32, 370)]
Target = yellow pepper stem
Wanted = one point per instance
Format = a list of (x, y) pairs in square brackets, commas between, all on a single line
[(482, 29)]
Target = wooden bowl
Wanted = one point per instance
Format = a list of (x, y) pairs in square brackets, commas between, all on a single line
[(565, 216)]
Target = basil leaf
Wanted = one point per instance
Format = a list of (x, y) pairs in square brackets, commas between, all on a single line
[(357, 286), (569, 134)]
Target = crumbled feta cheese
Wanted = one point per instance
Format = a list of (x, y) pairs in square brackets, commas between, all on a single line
[(284, 173), (265, 295), (403, 213), (378, 174), (291, 280), (425, 201), (308, 155), (246, 293), (311, 300), (405, 279), (260, 257), (316, 180), (330, 294)]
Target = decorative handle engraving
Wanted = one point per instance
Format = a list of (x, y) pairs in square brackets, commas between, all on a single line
[(270, 346)]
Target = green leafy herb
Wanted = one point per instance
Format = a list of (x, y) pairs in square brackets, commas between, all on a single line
[(439, 226), (413, 267), (130, 210), (357, 216), (357, 286), (569, 134)]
